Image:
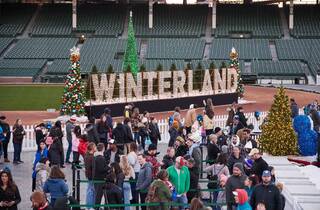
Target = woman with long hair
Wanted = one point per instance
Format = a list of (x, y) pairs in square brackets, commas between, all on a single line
[(56, 152), (9, 192), (17, 133), (128, 175), (76, 135), (133, 161), (41, 153), (56, 185), (196, 204), (103, 130)]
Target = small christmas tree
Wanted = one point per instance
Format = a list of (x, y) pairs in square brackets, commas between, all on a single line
[(234, 63), (130, 56), (278, 137), (73, 95)]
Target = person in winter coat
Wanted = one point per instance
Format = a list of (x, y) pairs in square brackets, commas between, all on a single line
[(69, 129), (231, 113), (250, 183), (236, 181), (116, 169), (9, 192), (56, 185), (39, 131), (17, 133), (259, 164), (222, 139), (83, 144), (57, 133), (159, 191), (109, 122), (99, 172), (168, 159), (234, 158), (41, 153), (129, 174), (119, 135), (92, 132), (236, 125), (55, 152), (133, 161), (7, 135), (151, 157), (174, 133), (212, 148), (235, 142), (42, 173), (128, 135), (103, 130), (209, 108), (76, 135), (208, 124), (267, 193), (194, 150), (155, 135), (113, 191), (242, 118), (190, 118), (112, 154), (144, 178), (294, 108), (88, 163), (194, 179), (179, 176), (144, 132), (181, 147), (283, 199), (39, 201), (241, 198)]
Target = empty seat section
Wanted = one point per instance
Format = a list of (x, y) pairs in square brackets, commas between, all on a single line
[(174, 48), (259, 21), (20, 67), (14, 18), (105, 19), (277, 68), (4, 42), (247, 48)]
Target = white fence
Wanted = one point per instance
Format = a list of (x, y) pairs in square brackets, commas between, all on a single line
[(29, 142)]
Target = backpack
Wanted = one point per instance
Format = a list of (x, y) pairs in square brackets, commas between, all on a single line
[(214, 179), (151, 196)]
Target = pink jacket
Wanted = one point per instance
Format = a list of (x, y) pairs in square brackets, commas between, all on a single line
[(75, 143)]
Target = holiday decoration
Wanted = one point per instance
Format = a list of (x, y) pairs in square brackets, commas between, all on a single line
[(278, 137), (130, 56), (134, 87), (73, 98), (234, 63), (150, 76), (179, 79), (164, 84), (220, 81), (207, 85), (307, 138), (232, 84)]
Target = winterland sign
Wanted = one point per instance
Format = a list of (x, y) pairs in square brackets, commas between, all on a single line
[(125, 87)]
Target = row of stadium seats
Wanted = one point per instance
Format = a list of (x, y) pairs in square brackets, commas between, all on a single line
[(247, 48), (20, 67), (4, 42), (306, 21), (171, 21), (277, 68), (175, 48), (14, 18), (260, 21)]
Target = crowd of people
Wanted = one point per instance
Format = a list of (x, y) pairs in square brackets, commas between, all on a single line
[(122, 163)]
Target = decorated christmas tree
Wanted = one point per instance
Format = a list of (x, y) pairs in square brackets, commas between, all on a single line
[(73, 95), (278, 137), (130, 56), (234, 63)]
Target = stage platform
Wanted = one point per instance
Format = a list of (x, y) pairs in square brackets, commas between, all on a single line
[(301, 184), (162, 105)]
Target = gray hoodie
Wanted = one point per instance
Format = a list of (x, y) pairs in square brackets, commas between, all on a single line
[(144, 177)]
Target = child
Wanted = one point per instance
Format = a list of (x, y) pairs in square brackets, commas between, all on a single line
[(241, 198), (283, 199), (42, 173)]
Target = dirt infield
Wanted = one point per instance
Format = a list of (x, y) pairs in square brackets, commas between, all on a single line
[(262, 96)]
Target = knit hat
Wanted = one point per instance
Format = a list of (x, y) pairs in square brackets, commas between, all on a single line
[(242, 195), (239, 166), (175, 124), (180, 139)]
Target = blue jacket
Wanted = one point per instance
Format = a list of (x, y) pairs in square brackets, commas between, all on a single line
[(245, 206), (37, 158), (56, 187)]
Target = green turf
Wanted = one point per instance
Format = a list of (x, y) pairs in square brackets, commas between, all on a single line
[(30, 97)]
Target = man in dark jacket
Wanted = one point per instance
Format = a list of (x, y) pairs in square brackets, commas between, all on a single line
[(236, 181), (69, 129), (112, 154), (266, 193), (237, 125), (144, 178), (169, 158), (128, 135), (112, 191), (194, 179), (7, 134), (242, 118), (294, 108), (222, 139), (213, 149), (92, 132), (259, 165), (194, 149), (100, 171), (154, 131), (119, 135)]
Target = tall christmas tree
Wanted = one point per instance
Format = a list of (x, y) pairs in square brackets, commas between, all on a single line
[(73, 95), (130, 56), (234, 63), (278, 137)]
